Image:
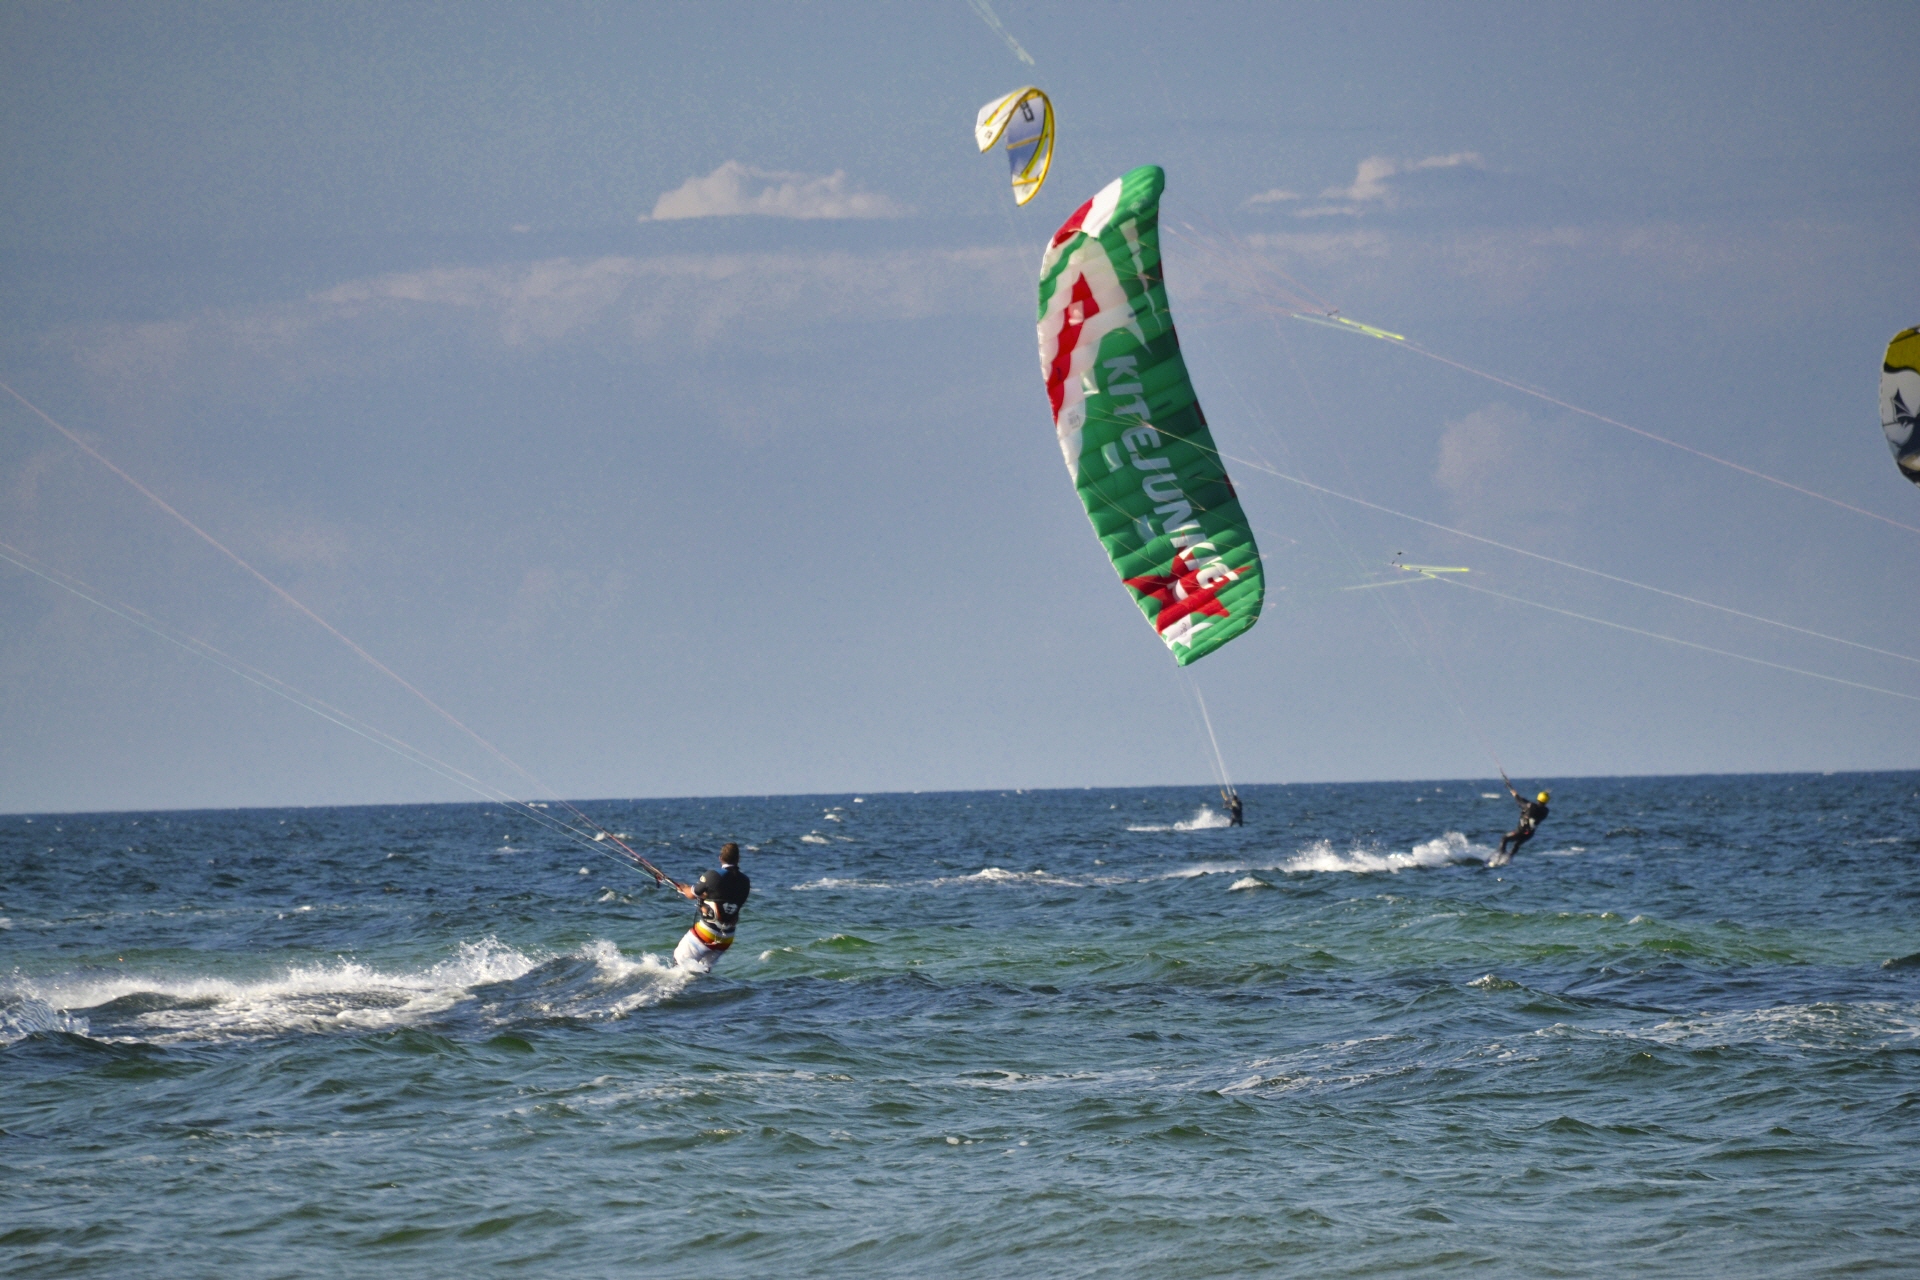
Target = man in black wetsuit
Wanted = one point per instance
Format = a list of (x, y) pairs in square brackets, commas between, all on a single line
[(1532, 814), (1236, 814), (720, 894)]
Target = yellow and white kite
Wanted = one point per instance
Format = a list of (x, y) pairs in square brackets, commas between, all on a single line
[(1022, 122), (1900, 400)]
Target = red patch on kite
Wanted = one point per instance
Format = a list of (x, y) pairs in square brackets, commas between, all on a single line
[(1071, 225), (1179, 592), (1080, 308)]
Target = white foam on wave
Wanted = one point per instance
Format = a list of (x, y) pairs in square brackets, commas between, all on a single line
[(1863, 1025), (1322, 856), (661, 979), (342, 995), (1330, 1067), (985, 876), (1450, 848), (1248, 882), (1204, 819), (1213, 869), (22, 1016), (1000, 875), (814, 840)]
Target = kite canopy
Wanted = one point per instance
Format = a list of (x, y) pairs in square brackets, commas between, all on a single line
[(1900, 400), (1023, 120), (1131, 429)]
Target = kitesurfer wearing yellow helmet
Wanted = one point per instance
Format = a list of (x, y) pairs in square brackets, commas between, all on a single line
[(1532, 814)]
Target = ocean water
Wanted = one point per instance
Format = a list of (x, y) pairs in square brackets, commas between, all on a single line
[(1084, 1033)]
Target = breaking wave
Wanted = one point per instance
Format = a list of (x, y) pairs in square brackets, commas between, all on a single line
[(1449, 849), (1000, 875), (488, 980), (1869, 1026), (1204, 819), (23, 1015)]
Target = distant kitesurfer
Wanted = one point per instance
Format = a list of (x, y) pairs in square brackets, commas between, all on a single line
[(1532, 814), (720, 894), (1236, 812)]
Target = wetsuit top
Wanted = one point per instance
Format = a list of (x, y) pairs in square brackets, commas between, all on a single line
[(1532, 814), (721, 893)]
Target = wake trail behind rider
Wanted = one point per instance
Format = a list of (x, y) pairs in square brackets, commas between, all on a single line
[(1532, 814), (720, 894)]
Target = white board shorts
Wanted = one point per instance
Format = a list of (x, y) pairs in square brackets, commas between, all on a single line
[(694, 954)]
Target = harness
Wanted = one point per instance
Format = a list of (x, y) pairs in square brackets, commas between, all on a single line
[(721, 897)]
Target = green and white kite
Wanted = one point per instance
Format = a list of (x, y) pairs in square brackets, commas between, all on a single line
[(1131, 429)]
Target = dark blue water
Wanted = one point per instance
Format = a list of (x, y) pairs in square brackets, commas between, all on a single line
[(974, 1035)]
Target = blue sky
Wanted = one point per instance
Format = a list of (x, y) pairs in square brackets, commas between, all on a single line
[(739, 501)]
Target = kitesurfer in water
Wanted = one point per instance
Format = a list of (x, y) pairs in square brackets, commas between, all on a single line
[(720, 894), (1532, 814), (1236, 815)]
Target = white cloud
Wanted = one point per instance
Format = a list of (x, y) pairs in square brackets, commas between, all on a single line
[(735, 189), (1372, 185), (658, 309), (1482, 457), (1279, 195), (1503, 468), (1369, 181)]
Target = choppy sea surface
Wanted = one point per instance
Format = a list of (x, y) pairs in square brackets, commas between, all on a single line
[(1083, 1033)]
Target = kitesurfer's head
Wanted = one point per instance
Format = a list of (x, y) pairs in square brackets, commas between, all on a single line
[(1543, 800), (729, 854)]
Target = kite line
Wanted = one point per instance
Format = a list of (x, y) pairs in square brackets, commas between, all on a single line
[(80, 443)]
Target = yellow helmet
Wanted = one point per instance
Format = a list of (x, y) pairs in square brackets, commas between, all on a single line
[(1543, 797)]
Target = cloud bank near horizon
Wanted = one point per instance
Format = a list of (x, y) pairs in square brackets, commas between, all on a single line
[(1372, 186), (735, 189)]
